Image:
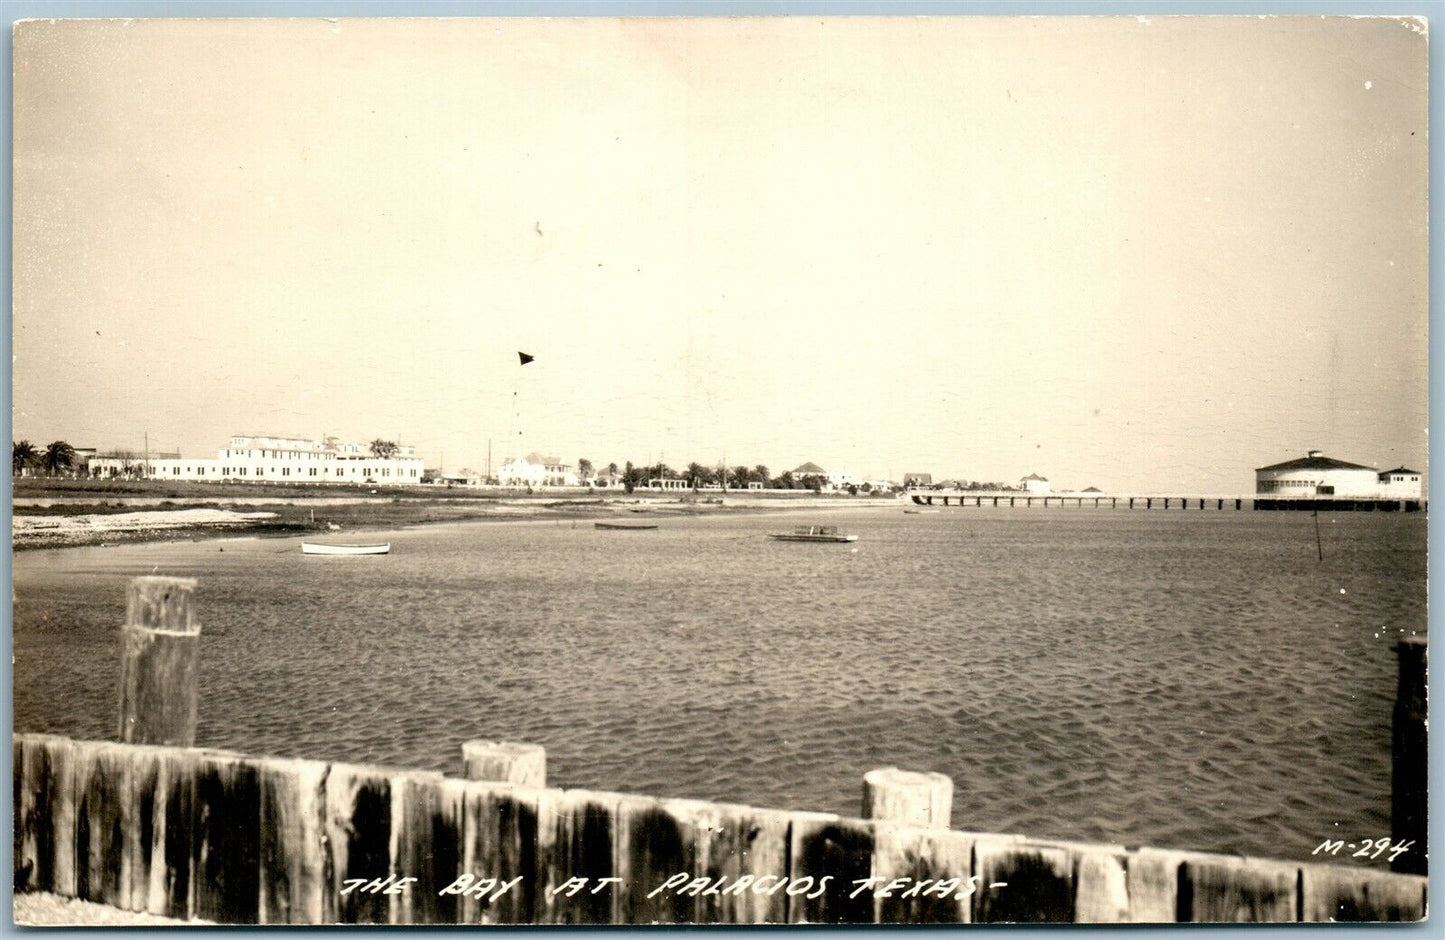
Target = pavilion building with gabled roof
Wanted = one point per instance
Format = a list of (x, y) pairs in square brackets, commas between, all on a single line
[(1317, 475)]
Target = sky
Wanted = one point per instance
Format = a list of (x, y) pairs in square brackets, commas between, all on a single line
[(1137, 253)]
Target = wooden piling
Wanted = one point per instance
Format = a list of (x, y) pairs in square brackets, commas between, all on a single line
[(507, 835), (1409, 804), (1038, 883), (661, 838), (905, 857), (44, 800), (103, 807), (908, 797), (1101, 890), (1152, 880), (523, 765), (822, 845), (357, 831), (292, 849), (1335, 894), (1229, 891), (226, 838), (582, 837), (171, 888), (428, 842), (743, 845), (160, 656)]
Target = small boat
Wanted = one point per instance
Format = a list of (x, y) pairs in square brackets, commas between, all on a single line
[(626, 526), (814, 533), (919, 512), (321, 548)]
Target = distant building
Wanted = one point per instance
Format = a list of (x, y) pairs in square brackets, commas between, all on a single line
[(537, 470), (1318, 475), (1401, 482), (256, 457), (1033, 483), (917, 479)]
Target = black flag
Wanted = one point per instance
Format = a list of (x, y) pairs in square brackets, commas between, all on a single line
[(525, 358)]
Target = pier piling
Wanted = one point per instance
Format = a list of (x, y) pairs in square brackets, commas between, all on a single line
[(908, 797), (160, 657), (505, 762), (1409, 797)]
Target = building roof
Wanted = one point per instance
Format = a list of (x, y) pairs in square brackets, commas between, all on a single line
[(1092, 489), (1399, 470), (1315, 461), (810, 467), (1035, 476)]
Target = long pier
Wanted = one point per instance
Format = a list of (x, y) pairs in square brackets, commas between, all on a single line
[(158, 825), (1167, 501)]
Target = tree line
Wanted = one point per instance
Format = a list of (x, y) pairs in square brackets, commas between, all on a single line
[(696, 476), (57, 457)]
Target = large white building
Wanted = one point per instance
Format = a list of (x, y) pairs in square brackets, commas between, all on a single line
[(252, 458), (537, 470), (1318, 475)]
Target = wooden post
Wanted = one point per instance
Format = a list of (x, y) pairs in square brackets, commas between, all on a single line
[(160, 656), (524, 765), (1408, 806), (908, 797)]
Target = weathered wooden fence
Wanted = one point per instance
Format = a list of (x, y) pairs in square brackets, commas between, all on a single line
[(218, 836)]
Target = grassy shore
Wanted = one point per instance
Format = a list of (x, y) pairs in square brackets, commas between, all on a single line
[(62, 513)]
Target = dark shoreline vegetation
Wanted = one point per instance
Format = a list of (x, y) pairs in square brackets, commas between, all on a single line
[(339, 509)]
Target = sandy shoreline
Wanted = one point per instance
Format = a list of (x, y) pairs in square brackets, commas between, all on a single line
[(51, 910), (218, 519)]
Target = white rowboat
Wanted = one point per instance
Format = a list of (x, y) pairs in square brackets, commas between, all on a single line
[(320, 548)]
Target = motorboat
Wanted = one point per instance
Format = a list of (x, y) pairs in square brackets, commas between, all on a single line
[(814, 533)]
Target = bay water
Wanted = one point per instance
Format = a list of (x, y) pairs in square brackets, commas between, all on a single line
[(1182, 679)]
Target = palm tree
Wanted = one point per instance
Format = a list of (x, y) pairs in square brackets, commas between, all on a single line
[(762, 473), (58, 456), (384, 449), (698, 475), (584, 469), (612, 469), (22, 455)]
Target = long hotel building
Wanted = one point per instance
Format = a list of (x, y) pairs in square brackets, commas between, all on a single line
[(250, 457)]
